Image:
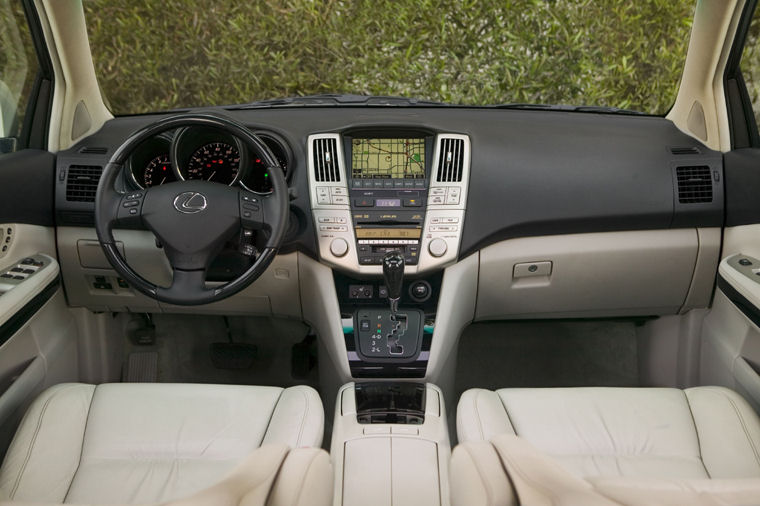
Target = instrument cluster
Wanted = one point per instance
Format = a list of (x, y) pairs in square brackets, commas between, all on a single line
[(206, 154)]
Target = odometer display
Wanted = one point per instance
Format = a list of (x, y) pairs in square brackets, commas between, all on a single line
[(158, 171), (216, 161)]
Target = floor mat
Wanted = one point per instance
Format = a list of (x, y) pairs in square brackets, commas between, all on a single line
[(183, 344), (547, 354)]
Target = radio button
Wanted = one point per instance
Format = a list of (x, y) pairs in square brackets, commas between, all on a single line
[(438, 247), (388, 183), (398, 183), (377, 183), (419, 183), (339, 247), (366, 260), (356, 183)]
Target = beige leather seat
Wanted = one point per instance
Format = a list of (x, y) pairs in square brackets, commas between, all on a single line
[(151, 443), (606, 445)]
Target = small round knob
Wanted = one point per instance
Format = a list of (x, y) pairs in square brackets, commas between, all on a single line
[(338, 247), (437, 247)]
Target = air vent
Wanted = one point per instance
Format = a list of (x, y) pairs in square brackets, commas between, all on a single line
[(88, 150), (684, 150), (450, 160), (82, 183), (694, 184), (326, 160)]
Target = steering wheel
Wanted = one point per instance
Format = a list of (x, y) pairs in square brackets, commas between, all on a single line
[(192, 219)]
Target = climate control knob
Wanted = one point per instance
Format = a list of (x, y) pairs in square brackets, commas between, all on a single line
[(339, 247), (438, 247)]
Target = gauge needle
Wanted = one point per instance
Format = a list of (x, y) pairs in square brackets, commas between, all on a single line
[(163, 180), (211, 176)]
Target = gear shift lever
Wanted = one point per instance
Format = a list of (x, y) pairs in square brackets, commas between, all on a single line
[(393, 272)]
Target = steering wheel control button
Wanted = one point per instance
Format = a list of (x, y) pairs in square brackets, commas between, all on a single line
[(339, 247), (438, 247), (131, 203), (745, 262)]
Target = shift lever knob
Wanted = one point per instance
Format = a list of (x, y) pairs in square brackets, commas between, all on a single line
[(393, 272)]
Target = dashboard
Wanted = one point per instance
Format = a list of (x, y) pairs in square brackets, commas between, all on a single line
[(441, 184)]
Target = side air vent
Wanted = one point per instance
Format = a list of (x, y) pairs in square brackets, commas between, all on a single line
[(82, 183), (91, 150), (694, 185), (450, 160), (684, 150), (326, 160)]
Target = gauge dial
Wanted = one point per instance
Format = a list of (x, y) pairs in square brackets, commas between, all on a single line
[(216, 161), (258, 179), (158, 171)]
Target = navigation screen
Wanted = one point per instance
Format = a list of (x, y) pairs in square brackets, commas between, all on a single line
[(388, 158)]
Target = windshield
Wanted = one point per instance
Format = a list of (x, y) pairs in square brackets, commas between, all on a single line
[(155, 56)]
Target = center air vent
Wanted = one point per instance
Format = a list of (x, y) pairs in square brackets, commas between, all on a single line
[(82, 183), (694, 184), (450, 160), (326, 160)]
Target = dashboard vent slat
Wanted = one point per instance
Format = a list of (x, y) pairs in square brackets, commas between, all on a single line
[(694, 184), (450, 160), (82, 182), (93, 150), (326, 161), (684, 150)]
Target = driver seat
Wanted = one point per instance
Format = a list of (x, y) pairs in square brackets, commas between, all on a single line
[(130, 443)]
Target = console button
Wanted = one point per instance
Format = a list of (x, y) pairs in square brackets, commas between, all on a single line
[(438, 200), (339, 247), (438, 192), (364, 325), (412, 203), (338, 190), (364, 202), (366, 260), (340, 200), (438, 247)]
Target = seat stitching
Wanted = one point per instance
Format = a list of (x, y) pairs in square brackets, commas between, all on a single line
[(481, 475), (755, 451), (303, 481), (271, 416), (696, 432), (506, 412), (477, 414), (81, 449), (17, 482), (305, 416)]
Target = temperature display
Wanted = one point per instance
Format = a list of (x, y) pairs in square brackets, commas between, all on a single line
[(388, 202)]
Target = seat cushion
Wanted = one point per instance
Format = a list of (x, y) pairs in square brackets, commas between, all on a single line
[(704, 432), (144, 443)]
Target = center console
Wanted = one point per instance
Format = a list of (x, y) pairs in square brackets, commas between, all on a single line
[(376, 194), (391, 190), (390, 445)]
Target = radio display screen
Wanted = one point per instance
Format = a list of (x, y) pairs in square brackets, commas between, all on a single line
[(388, 158), (388, 233)]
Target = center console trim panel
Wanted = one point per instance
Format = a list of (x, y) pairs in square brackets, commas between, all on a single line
[(332, 210)]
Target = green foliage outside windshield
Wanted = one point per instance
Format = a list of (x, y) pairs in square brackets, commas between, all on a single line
[(157, 55)]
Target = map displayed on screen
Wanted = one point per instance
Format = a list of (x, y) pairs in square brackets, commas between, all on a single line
[(388, 158)]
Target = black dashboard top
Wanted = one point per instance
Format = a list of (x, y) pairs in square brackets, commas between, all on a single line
[(532, 172)]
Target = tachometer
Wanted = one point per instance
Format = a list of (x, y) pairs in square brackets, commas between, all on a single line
[(158, 171), (216, 161)]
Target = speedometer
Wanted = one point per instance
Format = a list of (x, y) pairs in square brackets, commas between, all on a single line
[(216, 161)]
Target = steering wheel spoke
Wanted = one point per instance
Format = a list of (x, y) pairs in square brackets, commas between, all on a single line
[(185, 286)]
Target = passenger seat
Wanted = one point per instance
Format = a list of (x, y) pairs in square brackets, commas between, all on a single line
[(605, 446)]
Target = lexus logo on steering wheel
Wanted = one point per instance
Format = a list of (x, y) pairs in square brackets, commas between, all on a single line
[(190, 202)]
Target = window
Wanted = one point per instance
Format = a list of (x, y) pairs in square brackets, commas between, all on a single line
[(160, 55), (18, 71)]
